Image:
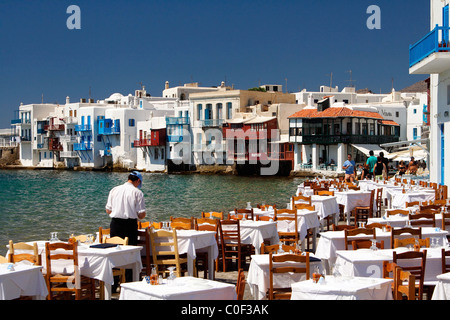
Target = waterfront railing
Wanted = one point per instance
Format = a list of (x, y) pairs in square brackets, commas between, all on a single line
[(434, 41)]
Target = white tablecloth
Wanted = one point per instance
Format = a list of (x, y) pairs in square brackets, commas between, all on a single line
[(189, 241), (254, 233), (442, 289), (368, 263), (332, 241), (183, 288), (258, 275), (399, 221), (306, 219), (398, 199), (343, 288), (324, 205), (25, 280), (352, 199)]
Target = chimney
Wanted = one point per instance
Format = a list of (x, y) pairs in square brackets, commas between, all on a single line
[(67, 100), (167, 85)]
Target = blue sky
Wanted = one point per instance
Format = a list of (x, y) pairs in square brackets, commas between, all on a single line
[(247, 42)]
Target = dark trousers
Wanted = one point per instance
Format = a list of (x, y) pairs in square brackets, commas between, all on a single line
[(125, 228)]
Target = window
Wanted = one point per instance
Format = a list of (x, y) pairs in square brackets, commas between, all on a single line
[(229, 110), (414, 111), (448, 95), (397, 114), (131, 122), (414, 133), (199, 112)]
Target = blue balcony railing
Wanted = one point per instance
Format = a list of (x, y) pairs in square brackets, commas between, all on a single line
[(108, 131), (212, 123), (83, 127), (177, 120), (85, 146), (435, 41), (16, 121), (175, 138)]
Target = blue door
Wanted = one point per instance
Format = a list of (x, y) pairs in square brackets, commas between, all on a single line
[(445, 23), (442, 155)]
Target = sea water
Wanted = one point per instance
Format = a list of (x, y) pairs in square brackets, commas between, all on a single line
[(34, 203)]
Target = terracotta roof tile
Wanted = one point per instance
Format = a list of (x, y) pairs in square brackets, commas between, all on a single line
[(336, 113)]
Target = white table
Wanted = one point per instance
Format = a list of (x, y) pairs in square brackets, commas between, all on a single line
[(189, 241), (332, 241), (352, 199), (397, 199), (183, 288), (25, 280), (442, 289), (343, 288), (98, 263), (399, 221), (324, 205), (258, 275), (368, 263), (254, 232)]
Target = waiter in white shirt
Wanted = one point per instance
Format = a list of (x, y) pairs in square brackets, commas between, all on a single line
[(125, 206)]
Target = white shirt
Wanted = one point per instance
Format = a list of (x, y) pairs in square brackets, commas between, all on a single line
[(125, 202)]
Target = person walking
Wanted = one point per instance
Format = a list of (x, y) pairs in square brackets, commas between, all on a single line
[(379, 169), (371, 163), (349, 167)]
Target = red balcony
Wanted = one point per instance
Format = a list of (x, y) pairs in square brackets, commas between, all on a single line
[(54, 127), (157, 139)]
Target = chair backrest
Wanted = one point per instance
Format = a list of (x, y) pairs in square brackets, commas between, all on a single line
[(301, 199), (182, 223), (325, 193), (430, 206), (397, 211), (396, 233), (412, 204), (404, 285), (445, 220), (103, 233), (143, 224), (388, 271), (230, 231), (3, 260), (277, 269), (284, 211), (411, 242), (304, 206), (350, 234), (375, 225), (265, 207), (32, 255), (156, 225), (429, 211), (240, 285), (342, 227), (213, 214), (248, 213), (117, 240), (284, 235), (265, 249), (264, 218), (366, 244), (418, 270), (58, 251), (440, 202), (422, 219), (444, 255)]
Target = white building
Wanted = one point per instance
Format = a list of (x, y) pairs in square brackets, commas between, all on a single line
[(431, 55)]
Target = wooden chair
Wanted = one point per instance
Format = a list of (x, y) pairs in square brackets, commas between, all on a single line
[(323, 193), (156, 225), (240, 285), (411, 241), (103, 233), (379, 201), (218, 215), (288, 236), (445, 221), (64, 284), (388, 272), (353, 187), (232, 216), (375, 225), (430, 206), (285, 293), (422, 220), (302, 199), (444, 255), (265, 249), (366, 244), (401, 289), (397, 211), (32, 255), (230, 241), (418, 270), (429, 211), (182, 223), (353, 234), (3, 260), (165, 253), (206, 224), (362, 214), (396, 233), (247, 212), (118, 272), (265, 207), (440, 203), (264, 218), (146, 257)]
